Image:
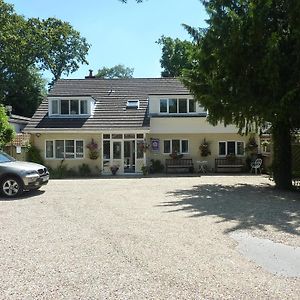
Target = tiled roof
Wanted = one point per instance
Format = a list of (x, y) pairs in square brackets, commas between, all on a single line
[(20, 139), (111, 96)]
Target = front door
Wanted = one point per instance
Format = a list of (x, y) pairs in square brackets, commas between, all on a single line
[(129, 156)]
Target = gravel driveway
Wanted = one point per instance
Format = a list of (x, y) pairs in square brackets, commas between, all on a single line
[(145, 238)]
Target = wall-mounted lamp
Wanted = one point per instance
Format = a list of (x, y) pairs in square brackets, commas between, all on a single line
[(38, 135)]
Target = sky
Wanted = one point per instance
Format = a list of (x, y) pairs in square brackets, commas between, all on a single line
[(120, 33)]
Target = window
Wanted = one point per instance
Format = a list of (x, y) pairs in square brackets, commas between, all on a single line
[(68, 149), (116, 150), (184, 146), (54, 107), (180, 146), (163, 105), (69, 145), (134, 104), (222, 148), (192, 106), (74, 107), (69, 107), (140, 152), (59, 149), (182, 106), (177, 106), (231, 147), (79, 149), (172, 106), (84, 107), (106, 150), (167, 146), (49, 149), (176, 146), (240, 148), (64, 107)]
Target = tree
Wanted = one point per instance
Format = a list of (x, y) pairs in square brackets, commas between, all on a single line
[(25, 92), (63, 49), (28, 46), (6, 130), (246, 70), (175, 56), (118, 71)]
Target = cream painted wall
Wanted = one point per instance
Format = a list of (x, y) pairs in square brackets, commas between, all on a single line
[(187, 125), (194, 142), (94, 165)]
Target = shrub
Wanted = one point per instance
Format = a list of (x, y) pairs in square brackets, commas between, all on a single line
[(84, 170), (156, 166), (34, 155)]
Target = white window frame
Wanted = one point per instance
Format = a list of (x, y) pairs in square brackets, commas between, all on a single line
[(80, 114), (171, 146), (67, 158), (226, 148), (179, 113), (133, 103)]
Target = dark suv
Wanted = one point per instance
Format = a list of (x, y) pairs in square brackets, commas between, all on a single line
[(18, 176)]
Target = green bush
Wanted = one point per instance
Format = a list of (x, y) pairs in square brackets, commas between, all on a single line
[(34, 155), (84, 170), (62, 171), (156, 166)]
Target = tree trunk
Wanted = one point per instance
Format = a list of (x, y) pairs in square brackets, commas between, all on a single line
[(282, 155)]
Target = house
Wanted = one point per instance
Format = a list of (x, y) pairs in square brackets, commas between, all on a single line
[(17, 147), (18, 122), (126, 123)]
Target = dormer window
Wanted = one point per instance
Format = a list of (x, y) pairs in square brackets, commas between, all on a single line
[(70, 107), (177, 106), (133, 104)]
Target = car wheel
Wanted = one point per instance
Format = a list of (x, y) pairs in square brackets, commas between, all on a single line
[(11, 187)]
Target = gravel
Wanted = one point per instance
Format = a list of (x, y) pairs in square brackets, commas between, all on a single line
[(145, 238)]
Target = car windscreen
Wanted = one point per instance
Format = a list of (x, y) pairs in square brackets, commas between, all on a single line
[(5, 158)]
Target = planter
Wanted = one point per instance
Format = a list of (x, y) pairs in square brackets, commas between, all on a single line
[(114, 169)]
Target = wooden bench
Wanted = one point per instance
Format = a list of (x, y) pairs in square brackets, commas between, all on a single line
[(229, 164), (181, 163)]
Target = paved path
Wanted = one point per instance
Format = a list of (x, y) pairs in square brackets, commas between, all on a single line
[(145, 238)]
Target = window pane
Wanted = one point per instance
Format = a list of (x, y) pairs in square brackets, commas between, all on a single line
[(54, 104), (106, 136), (240, 148), (117, 136), (129, 136), (192, 106), (79, 149), (59, 149), (140, 147), (106, 149), (182, 105), (84, 107), (167, 146), (175, 146), (69, 144), (64, 107), (49, 149), (74, 107), (172, 106), (222, 148), (231, 148), (184, 146), (163, 105), (117, 150), (139, 136)]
